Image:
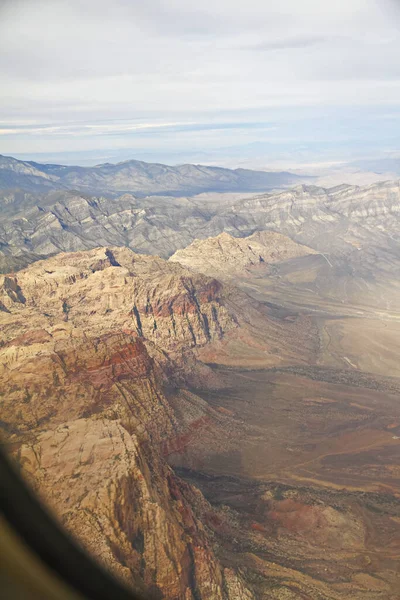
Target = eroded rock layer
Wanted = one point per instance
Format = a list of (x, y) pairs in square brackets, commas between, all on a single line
[(197, 441), (94, 400)]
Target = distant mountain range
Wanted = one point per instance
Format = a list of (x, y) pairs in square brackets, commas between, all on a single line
[(379, 166), (342, 218), (137, 177)]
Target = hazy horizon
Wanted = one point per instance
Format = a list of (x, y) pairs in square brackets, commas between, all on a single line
[(272, 88)]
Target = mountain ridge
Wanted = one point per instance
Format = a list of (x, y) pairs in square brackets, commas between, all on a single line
[(138, 177), (38, 225)]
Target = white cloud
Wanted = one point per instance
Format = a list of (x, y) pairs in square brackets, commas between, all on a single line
[(68, 64)]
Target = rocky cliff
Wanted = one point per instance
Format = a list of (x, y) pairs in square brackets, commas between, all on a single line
[(94, 401), (109, 288), (225, 256), (87, 422)]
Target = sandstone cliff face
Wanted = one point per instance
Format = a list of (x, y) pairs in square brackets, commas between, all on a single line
[(106, 289), (88, 434), (72, 296), (225, 256), (87, 347)]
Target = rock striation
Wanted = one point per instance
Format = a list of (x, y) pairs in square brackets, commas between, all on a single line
[(108, 288), (225, 256), (340, 220), (94, 376)]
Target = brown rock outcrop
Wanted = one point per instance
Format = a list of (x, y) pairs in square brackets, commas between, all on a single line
[(85, 412), (87, 424), (105, 289), (225, 256)]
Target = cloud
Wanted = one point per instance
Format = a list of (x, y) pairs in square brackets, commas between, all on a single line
[(289, 43), (88, 71)]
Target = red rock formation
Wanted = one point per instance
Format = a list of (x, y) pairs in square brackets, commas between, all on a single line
[(84, 411)]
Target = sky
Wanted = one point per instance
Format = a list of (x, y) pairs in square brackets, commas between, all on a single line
[(232, 82)]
